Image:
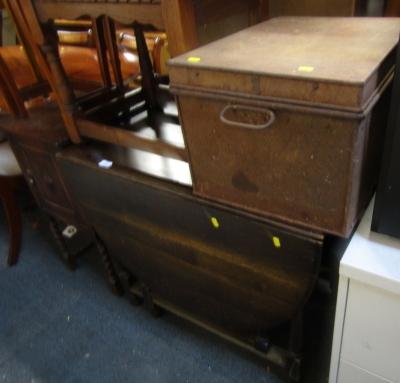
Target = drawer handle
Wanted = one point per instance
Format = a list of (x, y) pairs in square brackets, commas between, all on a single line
[(239, 124)]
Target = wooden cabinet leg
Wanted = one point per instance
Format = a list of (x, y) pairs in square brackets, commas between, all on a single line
[(113, 280), (148, 303), (262, 341), (295, 347), (68, 259)]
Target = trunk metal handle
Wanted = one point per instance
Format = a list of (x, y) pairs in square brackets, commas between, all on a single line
[(243, 124)]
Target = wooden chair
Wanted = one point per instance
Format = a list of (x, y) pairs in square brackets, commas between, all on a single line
[(106, 114), (117, 113), (36, 132), (156, 42), (11, 180), (20, 94)]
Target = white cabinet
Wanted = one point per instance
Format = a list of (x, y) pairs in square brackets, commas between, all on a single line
[(366, 342)]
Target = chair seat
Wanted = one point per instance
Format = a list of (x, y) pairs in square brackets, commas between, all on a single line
[(81, 63), (8, 163)]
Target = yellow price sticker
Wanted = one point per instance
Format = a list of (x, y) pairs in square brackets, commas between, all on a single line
[(276, 242), (305, 68), (194, 59), (215, 222)]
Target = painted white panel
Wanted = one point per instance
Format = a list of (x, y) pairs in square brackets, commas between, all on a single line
[(348, 373), (371, 335)]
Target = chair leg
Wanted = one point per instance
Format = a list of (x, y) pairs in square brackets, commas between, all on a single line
[(14, 222)]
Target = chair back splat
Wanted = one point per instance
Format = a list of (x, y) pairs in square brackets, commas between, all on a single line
[(120, 111)]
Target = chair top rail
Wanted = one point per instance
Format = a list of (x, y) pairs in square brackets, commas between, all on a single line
[(124, 12)]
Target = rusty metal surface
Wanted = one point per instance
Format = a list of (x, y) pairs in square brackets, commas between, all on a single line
[(317, 163), (337, 61), (313, 168), (313, 171)]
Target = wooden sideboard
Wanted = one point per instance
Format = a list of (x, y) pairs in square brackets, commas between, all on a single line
[(192, 23), (35, 145)]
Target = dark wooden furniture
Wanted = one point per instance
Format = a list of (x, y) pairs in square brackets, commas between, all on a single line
[(36, 131), (190, 24), (392, 8), (110, 113), (326, 8), (35, 141), (84, 117), (11, 180), (232, 272)]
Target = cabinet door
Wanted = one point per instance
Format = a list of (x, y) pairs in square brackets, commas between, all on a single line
[(371, 335), (45, 179)]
